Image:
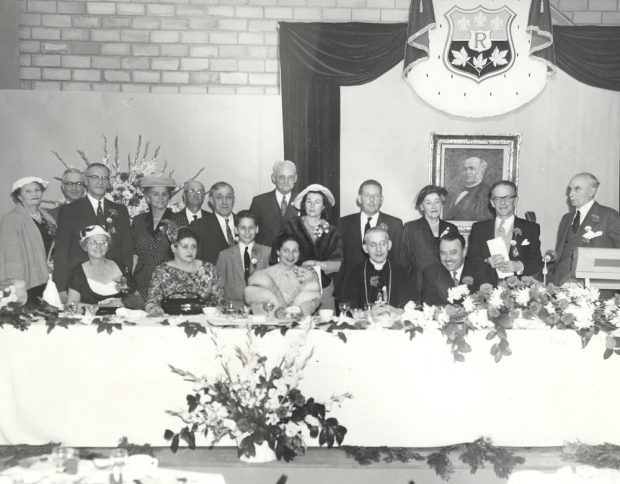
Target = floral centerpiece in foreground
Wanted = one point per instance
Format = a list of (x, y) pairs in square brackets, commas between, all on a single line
[(257, 403)]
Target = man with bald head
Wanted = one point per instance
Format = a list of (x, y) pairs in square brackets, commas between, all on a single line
[(471, 200), (193, 198), (589, 225), (274, 208)]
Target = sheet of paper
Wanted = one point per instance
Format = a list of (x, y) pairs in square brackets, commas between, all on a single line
[(498, 247)]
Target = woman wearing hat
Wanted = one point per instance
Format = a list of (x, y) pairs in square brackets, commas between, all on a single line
[(151, 230), (320, 243), (419, 245), (26, 236), (99, 278)]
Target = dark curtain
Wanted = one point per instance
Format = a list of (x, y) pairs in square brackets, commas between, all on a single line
[(317, 58)]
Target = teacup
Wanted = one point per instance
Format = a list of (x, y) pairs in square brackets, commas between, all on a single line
[(326, 314)]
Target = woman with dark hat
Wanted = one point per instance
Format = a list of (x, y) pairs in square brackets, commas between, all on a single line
[(26, 237), (419, 245), (320, 242), (153, 230)]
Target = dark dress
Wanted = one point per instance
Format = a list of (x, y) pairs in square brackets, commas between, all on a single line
[(152, 247), (78, 282)]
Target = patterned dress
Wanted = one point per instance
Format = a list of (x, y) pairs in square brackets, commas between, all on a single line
[(152, 247), (168, 280)]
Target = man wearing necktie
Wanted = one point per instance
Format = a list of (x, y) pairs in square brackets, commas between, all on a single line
[(520, 237), (193, 197), (216, 230), (237, 263), (589, 225), (92, 209), (274, 208), (353, 227), (451, 270)]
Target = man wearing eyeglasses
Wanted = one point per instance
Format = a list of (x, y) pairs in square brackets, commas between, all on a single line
[(193, 198), (521, 238), (353, 227), (92, 209), (274, 208), (72, 187)]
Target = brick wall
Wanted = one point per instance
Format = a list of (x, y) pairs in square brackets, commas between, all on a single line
[(191, 46)]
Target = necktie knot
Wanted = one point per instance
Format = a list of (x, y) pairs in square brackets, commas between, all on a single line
[(196, 217)]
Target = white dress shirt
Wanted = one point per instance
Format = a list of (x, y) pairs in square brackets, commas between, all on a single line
[(583, 211), (280, 196), (508, 224), (95, 203), (190, 215)]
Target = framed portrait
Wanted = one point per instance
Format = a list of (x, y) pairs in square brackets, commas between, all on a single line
[(467, 166)]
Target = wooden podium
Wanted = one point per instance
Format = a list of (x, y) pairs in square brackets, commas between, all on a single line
[(599, 268)]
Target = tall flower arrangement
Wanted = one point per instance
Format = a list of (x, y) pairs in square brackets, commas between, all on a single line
[(253, 401)]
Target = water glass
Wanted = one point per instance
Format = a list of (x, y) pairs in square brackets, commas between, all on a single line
[(268, 306), (119, 460), (72, 308), (358, 313), (60, 455), (90, 310)]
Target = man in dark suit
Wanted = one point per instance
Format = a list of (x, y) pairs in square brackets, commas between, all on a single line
[(450, 271), (274, 208), (590, 225), (376, 279), (471, 201), (521, 238), (90, 210), (73, 187), (354, 226), (193, 198), (237, 263), (216, 231)]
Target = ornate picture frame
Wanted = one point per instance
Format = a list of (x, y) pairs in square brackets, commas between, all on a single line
[(466, 165)]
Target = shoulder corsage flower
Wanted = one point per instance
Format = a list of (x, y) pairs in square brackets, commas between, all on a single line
[(109, 221), (321, 228)]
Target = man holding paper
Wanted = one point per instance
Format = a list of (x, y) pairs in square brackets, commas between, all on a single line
[(505, 245)]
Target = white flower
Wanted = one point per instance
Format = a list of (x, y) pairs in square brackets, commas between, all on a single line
[(311, 420), (468, 304), (523, 296), (583, 314), (456, 293), (443, 318), (229, 424), (254, 260), (272, 419), (292, 429), (550, 307), (496, 301), (479, 320)]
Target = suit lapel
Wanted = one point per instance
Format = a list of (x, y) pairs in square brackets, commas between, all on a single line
[(591, 220), (238, 262)]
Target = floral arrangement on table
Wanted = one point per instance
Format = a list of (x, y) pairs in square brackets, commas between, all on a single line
[(256, 403), (125, 183)]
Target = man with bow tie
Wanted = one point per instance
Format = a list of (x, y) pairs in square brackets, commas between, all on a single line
[(589, 225), (274, 208), (93, 209), (521, 238), (471, 202), (451, 270), (237, 263)]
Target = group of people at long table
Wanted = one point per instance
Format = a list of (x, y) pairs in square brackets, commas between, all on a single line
[(282, 254)]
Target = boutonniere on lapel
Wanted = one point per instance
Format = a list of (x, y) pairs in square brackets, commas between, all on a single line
[(589, 234), (321, 228), (445, 232), (595, 218), (514, 249), (467, 280), (254, 261), (109, 221)]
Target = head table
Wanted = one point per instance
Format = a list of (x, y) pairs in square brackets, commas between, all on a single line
[(84, 388)]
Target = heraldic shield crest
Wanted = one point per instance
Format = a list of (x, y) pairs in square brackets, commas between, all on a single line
[(479, 43)]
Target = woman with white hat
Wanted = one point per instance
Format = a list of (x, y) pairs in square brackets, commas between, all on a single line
[(320, 242), (26, 237), (153, 230)]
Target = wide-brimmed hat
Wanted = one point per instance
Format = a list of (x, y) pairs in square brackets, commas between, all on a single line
[(28, 179), (157, 181), (91, 230), (315, 187)]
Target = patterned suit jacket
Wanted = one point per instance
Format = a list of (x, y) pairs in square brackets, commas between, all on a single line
[(74, 217), (526, 250), (230, 268), (270, 220), (599, 218), (211, 239)]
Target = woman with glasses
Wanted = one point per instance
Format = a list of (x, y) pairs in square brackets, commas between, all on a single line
[(26, 237), (151, 230), (320, 242), (419, 246), (99, 278)]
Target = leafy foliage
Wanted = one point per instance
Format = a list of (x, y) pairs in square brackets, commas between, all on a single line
[(601, 456)]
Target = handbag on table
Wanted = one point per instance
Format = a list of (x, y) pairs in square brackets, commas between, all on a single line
[(183, 303)]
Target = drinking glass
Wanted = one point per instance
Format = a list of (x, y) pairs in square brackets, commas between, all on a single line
[(119, 460), (60, 455), (72, 308), (90, 310), (268, 306), (357, 313)]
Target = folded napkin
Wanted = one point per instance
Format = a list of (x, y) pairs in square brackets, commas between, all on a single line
[(131, 315)]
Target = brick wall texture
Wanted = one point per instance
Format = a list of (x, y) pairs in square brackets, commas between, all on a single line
[(192, 46)]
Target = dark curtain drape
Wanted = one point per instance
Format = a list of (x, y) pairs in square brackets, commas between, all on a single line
[(317, 58)]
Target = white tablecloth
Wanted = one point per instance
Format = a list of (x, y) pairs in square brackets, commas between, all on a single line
[(83, 388)]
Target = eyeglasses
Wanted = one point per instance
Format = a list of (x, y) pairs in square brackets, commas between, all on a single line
[(73, 184), (200, 192), (503, 199), (98, 178), (96, 243)]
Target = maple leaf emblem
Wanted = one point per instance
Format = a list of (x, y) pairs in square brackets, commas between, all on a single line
[(497, 23), (460, 57), (463, 23), (498, 57), (479, 62), (480, 20)]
